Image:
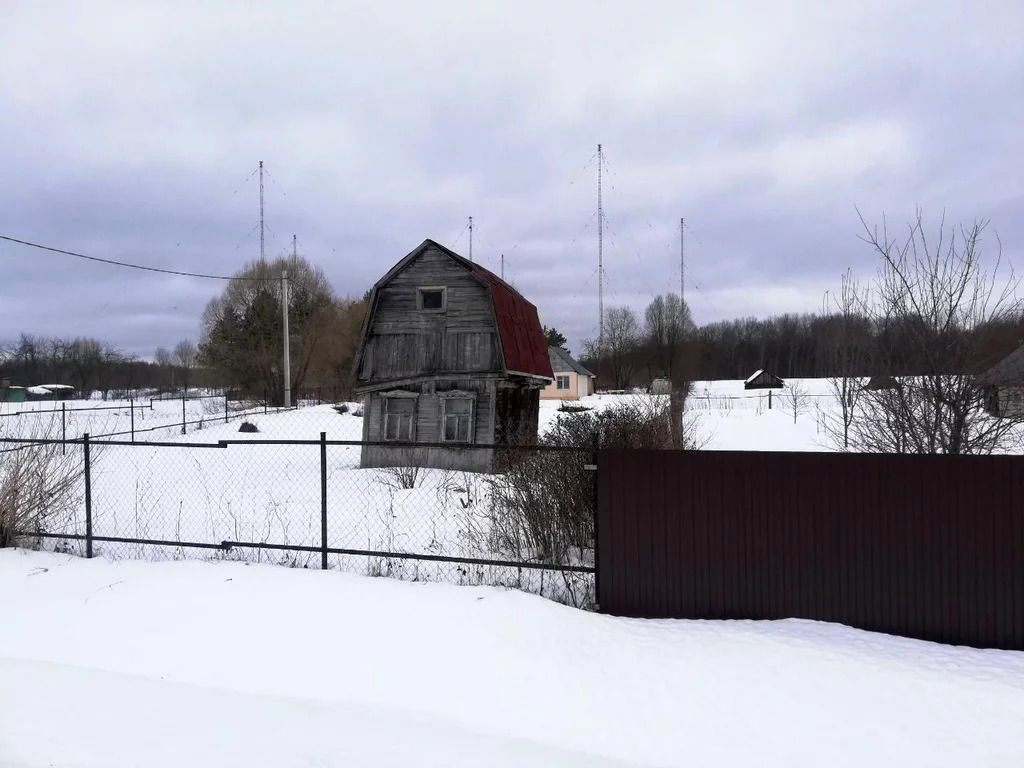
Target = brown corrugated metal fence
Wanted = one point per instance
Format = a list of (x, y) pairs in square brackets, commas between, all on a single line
[(923, 546)]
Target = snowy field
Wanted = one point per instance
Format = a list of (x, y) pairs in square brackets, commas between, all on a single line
[(270, 494), (196, 664), (154, 419), (723, 416)]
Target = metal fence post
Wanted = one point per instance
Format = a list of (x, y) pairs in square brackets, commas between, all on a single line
[(63, 428), (225, 406), (183, 412), (266, 403), (88, 496), (323, 500), (769, 399), (131, 407), (597, 555)]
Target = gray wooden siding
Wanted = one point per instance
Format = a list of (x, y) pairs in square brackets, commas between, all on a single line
[(460, 459), (428, 410), (403, 341)]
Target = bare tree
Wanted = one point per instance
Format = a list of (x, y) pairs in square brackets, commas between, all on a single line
[(846, 352), (667, 322), (933, 299), (794, 397), (164, 361), (186, 358), (621, 338)]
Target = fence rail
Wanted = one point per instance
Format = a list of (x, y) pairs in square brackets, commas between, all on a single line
[(308, 503)]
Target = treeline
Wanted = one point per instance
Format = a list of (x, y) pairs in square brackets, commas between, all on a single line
[(788, 345), (91, 365)]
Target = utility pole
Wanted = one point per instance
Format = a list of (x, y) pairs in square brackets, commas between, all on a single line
[(263, 253), (600, 253), (503, 266), (470, 238), (287, 349)]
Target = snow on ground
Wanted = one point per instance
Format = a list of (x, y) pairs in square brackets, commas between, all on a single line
[(224, 664), (722, 415)]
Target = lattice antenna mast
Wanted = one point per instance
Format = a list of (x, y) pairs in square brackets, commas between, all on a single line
[(263, 253), (503, 266), (682, 263), (470, 238), (600, 251)]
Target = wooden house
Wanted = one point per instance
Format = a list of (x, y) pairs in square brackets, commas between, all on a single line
[(450, 354), (763, 380)]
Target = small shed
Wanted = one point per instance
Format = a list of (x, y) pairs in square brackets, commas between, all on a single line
[(880, 382), (11, 394), (661, 386), (572, 380), (450, 353), (763, 379)]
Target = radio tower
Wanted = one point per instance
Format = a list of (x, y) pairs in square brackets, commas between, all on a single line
[(470, 238), (262, 252), (682, 262), (600, 252)]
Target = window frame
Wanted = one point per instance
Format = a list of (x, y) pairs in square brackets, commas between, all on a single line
[(444, 298), (399, 395), (558, 383), (468, 397)]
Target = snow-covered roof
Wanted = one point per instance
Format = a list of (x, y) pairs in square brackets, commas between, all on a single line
[(52, 387), (39, 391), (757, 373)]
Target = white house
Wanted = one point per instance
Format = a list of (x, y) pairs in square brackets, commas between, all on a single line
[(572, 380)]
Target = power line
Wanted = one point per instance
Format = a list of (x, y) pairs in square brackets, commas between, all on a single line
[(115, 263)]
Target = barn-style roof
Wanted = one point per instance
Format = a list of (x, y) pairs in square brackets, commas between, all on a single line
[(523, 346)]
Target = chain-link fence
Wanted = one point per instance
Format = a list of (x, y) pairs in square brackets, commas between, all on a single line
[(527, 522)]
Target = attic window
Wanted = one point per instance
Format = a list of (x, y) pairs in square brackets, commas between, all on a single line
[(432, 299)]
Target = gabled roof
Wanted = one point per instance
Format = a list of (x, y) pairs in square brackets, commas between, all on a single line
[(563, 362), (1007, 372), (520, 335)]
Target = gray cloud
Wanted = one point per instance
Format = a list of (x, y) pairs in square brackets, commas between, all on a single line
[(131, 132)]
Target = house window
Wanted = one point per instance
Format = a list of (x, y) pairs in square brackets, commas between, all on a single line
[(457, 418), (399, 415), (561, 382), (432, 299)]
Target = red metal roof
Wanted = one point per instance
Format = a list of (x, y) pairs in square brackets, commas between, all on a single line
[(522, 337)]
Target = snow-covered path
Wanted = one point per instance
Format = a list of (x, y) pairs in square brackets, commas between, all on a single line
[(222, 664)]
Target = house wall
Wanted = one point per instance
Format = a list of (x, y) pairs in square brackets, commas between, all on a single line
[(427, 427), (1011, 402), (404, 341), (552, 392)]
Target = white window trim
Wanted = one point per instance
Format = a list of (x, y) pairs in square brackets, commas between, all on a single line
[(457, 394), (398, 394), (558, 383), (444, 297)]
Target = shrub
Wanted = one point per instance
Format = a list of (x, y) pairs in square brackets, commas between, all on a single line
[(543, 504), (37, 484), (248, 426), (341, 408)]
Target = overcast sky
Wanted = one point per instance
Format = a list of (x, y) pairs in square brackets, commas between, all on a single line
[(132, 131)]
